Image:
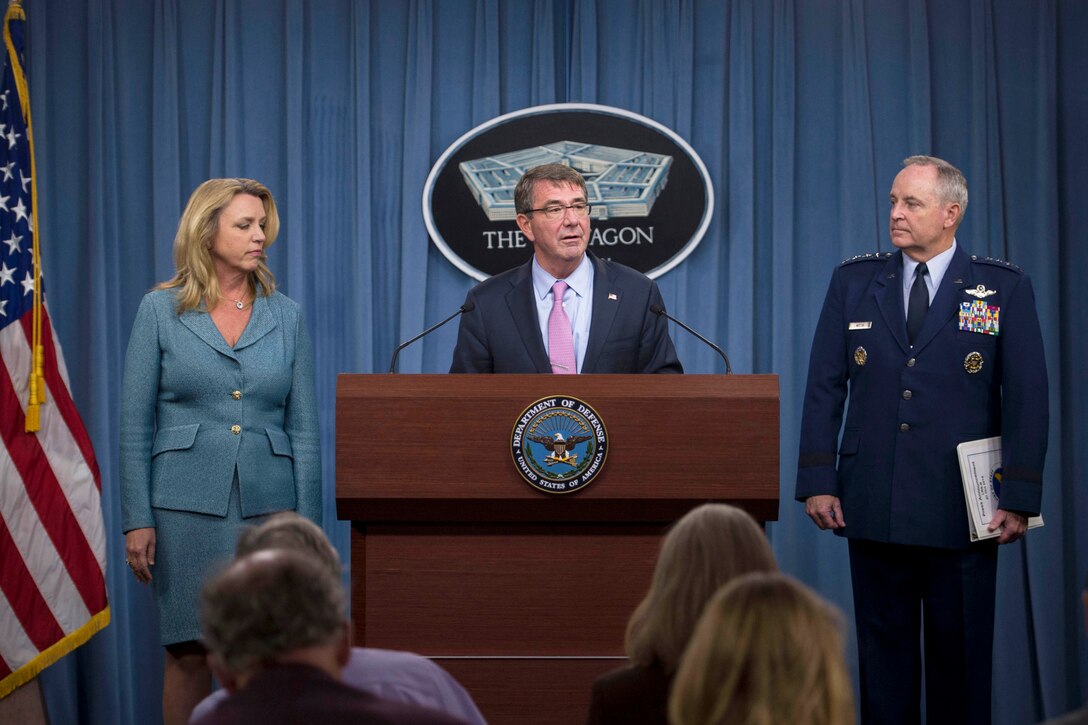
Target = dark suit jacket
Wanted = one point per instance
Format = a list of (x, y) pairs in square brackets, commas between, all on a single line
[(631, 696), (898, 475), (289, 694), (501, 334)]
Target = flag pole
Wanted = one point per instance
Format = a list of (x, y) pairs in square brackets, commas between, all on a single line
[(36, 383)]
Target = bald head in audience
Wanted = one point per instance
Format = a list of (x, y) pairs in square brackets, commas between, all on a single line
[(274, 607)]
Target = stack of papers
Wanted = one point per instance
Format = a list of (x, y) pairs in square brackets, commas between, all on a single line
[(979, 461)]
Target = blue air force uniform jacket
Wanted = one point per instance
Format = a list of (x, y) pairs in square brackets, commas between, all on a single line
[(193, 410), (898, 475)]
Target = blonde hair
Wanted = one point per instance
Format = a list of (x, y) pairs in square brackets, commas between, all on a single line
[(195, 279), (767, 650), (709, 546)]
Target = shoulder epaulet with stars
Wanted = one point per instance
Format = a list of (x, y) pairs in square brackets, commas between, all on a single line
[(870, 257), (995, 262)]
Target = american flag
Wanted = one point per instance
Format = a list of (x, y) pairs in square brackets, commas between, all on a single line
[(52, 540)]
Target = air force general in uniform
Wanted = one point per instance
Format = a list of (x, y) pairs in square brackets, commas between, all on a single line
[(932, 347), (565, 311)]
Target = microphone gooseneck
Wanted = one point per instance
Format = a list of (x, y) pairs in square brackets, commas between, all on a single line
[(660, 310), (469, 306)]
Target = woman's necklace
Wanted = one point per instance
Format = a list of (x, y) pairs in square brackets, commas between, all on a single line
[(240, 304)]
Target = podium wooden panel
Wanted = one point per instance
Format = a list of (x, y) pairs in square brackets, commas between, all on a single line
[(524, 596)]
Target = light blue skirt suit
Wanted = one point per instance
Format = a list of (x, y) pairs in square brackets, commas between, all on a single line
[(213, 438)]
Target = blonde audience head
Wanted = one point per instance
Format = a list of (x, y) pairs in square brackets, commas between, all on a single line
[(766, 650), (706, 548)]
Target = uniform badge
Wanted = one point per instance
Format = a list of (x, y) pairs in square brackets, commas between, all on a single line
[(980, 317), (868, 324), (981, 292), (860, 356), (559, 444), (973, 362)]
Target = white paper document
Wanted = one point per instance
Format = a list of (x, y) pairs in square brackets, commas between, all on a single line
[(979, 461)]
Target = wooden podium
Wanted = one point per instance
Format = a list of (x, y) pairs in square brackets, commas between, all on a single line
[(524, 596)]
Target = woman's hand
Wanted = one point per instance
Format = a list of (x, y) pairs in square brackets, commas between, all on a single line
[(140, 552)]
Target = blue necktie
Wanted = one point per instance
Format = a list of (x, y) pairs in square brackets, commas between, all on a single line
[(917, 303)]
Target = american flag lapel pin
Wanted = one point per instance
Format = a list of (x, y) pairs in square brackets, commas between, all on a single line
[(612, 296)]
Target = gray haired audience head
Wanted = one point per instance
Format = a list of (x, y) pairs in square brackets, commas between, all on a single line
[(291, 531), (555, 173), (267, 604), (951, 184)]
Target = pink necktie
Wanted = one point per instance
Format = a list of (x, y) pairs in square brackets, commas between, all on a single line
[(560, 337)]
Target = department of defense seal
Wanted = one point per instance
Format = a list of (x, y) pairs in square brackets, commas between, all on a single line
[(973, 362), (559, 444)]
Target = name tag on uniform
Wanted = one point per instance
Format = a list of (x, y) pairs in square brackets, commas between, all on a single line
[(861, 325), (980, 317)]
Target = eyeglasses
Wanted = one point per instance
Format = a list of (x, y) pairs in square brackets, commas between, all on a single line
[(553, 212)]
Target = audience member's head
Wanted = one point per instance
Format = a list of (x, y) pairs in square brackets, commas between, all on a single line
[(708, 547), (274, 607), (289, 530), (766, 650)]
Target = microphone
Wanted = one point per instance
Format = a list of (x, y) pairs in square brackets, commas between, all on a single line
[(469, 306), (660, 310)]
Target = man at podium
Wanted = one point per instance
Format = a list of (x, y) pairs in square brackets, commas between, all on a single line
[(566, 310)]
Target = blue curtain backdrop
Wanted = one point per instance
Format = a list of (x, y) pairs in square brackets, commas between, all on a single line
[(801, 109)]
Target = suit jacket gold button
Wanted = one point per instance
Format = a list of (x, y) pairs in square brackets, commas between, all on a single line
[(236, 429), (237, 395)]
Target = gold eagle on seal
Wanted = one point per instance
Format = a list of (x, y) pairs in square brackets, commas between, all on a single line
[(559, 447)]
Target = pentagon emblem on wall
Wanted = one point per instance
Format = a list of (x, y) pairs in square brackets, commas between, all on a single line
[(651, 193)]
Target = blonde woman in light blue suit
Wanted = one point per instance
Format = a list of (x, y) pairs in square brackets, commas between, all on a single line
[(218, 416)]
